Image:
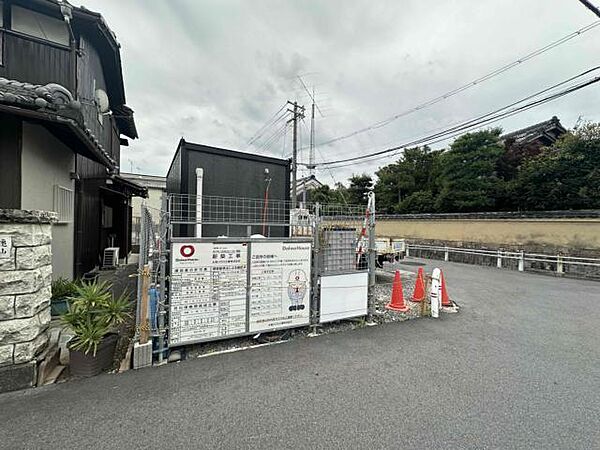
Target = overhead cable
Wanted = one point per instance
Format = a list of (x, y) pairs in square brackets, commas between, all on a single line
[(466, 86)]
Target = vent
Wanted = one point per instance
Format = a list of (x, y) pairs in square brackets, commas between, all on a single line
[(111, 258)]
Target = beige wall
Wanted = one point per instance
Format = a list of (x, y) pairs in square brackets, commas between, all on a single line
[(154, 202), (571, 233), (47, 162)]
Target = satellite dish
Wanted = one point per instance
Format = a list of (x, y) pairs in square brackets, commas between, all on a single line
[(102, 101)]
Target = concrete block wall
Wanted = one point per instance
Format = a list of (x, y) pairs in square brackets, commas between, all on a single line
[(25, 291)]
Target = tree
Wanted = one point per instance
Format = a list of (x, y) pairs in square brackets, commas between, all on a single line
[(324, 194), (417, 202), (468, 173), (357, 191), (415, 172), (565, 175)]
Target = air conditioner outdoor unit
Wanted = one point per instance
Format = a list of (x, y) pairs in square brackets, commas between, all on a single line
[(111, 258)]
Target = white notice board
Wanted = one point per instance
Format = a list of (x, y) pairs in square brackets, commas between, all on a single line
[(207, 291), (344, 296), (279, 285)]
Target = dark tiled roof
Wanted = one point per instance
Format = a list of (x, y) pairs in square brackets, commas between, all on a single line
[(551, 128), (52, 99)]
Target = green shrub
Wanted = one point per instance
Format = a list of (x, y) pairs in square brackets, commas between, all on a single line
[(63, 288), (93, 313)]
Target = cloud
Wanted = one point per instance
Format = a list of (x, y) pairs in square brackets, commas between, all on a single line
[(215, 71)]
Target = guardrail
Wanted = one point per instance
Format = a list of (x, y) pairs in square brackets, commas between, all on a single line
[(559, 260)]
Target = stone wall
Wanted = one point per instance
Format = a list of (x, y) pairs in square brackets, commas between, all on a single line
[(570, 233), (25, 291)]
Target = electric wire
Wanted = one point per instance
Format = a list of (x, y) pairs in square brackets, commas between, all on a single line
[(482, 120), (466, 86), (273, 119)]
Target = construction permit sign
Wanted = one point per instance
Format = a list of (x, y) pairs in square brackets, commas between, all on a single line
[(280, 284)]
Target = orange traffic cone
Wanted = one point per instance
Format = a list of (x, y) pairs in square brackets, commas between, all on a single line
[(397, 301), (419, 292), (445, 297)]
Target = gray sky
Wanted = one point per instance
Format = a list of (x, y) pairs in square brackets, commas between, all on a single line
[(214, 71)]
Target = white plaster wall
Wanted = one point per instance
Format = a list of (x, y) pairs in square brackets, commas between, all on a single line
[(153, 201), (46, 162)]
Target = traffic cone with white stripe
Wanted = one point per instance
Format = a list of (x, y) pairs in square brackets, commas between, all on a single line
[(397, 301)]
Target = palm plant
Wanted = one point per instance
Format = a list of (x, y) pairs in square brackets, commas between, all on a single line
[(93, 313)]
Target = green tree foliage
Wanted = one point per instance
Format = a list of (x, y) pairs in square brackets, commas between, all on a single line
[(477, 173), (410, 182), (468, 173), (324, 194), (360, 185), (565, 175)]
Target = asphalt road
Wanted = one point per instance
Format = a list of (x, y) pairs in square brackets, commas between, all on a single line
[(519, 367)]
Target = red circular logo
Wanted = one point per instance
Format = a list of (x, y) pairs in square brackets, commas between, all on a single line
[(187, 250)]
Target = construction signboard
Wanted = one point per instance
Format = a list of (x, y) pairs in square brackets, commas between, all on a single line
[(279, 285), (208, 291), (221, 289)]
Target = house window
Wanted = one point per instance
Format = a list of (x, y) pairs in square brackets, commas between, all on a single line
[(107, 217), (39, 25), (63, 203)]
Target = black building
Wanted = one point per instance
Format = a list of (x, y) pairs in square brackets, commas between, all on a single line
[(229, 176)]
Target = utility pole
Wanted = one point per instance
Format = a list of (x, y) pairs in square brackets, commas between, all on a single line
[(589, 5), (297, 113), (311, 155)]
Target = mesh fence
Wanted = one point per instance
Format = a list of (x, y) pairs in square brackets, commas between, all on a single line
[(153, 240), (339, 231)]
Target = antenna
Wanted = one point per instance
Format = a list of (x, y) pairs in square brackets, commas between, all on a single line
[(311, 154)]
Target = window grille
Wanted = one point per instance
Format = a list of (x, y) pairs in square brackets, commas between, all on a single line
[(63, 203)]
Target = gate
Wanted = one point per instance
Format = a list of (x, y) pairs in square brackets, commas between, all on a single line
[(222, 267)]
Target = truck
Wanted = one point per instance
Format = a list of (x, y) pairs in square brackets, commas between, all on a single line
[(389, 250)]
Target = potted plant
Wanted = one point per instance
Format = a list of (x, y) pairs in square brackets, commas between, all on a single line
[(93, 317), (62, 289)]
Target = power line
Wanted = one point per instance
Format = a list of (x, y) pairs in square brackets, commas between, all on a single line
[(483, 119), (273, 137), (589, 5), (466, 86), (282, 118), (273, 119)]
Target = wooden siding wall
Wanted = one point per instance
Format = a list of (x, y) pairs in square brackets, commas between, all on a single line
[(29, 60), (89, 68), (10, 157)]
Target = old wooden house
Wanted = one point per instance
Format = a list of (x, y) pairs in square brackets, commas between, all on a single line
[(63, 120)]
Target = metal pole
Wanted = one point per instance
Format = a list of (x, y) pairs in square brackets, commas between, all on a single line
[(141, 262), (164, 251), (316, 269), (311, 156), (294, 155), (372, 255)]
